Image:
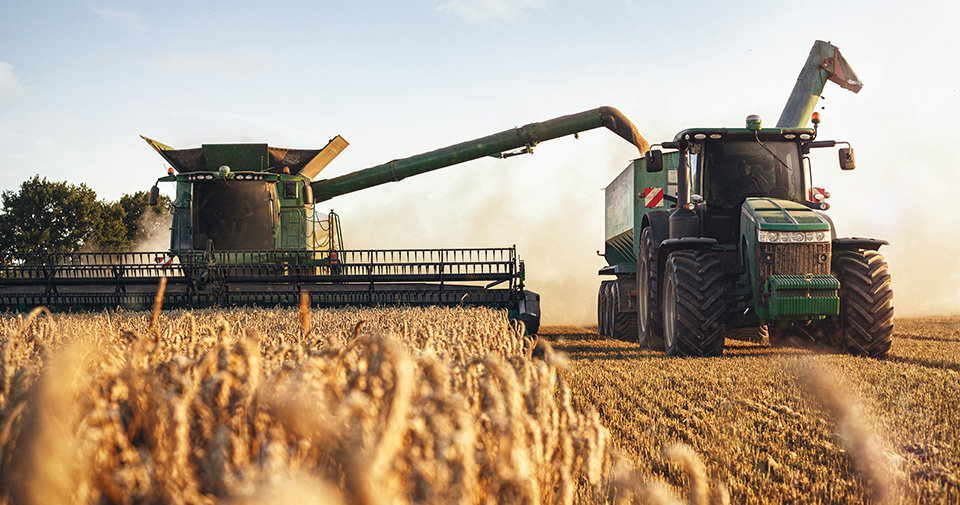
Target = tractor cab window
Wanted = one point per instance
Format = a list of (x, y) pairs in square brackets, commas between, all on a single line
[(734, 171)]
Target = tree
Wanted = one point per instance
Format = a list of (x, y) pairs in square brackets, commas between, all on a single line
[(110, 229), (46, 216)]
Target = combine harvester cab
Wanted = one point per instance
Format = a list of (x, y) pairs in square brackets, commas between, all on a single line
[(245, 232), (725, 235)]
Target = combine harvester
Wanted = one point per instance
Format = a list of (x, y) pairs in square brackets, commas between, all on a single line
[(725, 235), (245, 232)]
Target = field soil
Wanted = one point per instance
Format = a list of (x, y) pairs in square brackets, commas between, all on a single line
[(784, 425)]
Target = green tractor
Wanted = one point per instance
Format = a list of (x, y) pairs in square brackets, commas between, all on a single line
[(725, 236)]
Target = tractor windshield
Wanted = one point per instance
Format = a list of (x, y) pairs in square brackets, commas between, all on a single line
[(733, 171), (235, 215)]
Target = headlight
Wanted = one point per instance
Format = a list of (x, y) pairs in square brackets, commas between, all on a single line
[(792, 237)]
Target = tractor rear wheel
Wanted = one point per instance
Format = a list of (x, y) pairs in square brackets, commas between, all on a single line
[(866, 303), (649, 317), (693, 304)]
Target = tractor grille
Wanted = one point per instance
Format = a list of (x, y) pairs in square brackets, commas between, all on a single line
[(789, 259)]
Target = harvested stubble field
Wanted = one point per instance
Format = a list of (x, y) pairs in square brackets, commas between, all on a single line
[(456, 406), (779, 425)]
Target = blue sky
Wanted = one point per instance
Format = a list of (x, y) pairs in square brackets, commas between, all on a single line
[(80, 81)]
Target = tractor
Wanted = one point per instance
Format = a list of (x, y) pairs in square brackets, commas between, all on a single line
[(720, 233)]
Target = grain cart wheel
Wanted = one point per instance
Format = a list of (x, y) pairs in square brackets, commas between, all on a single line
[(624, 321), (602, 303), (530, 323), (866, 303), (609, 311), (600, 310), (693, 305), (608, 308), (649, 317)]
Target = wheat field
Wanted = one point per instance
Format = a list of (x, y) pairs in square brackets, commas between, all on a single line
[(366, 406), (451, 405)]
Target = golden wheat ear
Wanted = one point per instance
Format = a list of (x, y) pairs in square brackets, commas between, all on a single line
[(157, 305)]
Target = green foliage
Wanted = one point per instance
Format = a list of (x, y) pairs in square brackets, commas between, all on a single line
[(48, 217), (45, 216), (110, 230)]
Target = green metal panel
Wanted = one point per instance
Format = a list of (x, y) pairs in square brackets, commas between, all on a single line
[(783, 215), (180, 230), (803, 296), (292, 229), (239, 157), (619, 249)]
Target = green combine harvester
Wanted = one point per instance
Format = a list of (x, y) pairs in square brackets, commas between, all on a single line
[(245, 232), (724, 235)]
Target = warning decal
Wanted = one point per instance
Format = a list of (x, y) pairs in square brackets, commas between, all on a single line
[(653, 197)]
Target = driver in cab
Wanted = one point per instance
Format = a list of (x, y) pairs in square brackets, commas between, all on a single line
[(745, 185)]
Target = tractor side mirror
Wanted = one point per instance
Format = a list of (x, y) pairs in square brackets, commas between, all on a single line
[(307, 194), (847, 160), (654, 159), (154, 195)]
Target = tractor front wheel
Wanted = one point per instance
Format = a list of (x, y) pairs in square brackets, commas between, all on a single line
[(693, 305), (866, 303)]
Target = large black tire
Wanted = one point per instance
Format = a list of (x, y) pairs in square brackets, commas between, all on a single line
[(604, 321), (600, 326), (624, 322), (866, 303), (693, 304), (649, 317), (530, 323)]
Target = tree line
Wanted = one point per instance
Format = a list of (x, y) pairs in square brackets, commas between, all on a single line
[(51, 216)]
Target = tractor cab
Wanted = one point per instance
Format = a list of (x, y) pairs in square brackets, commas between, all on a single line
[(723, 167), (729, 166)]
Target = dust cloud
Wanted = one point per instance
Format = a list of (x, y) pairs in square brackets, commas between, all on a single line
[(550, 205), (154, 230)]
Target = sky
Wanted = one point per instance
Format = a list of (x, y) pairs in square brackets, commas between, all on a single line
[(80, 81)]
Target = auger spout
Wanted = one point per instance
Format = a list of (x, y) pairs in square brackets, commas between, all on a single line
[(825, 63)]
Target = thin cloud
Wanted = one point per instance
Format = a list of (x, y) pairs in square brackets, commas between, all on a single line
[(480, 11), (126, 21), (240, 62), (11, 91)]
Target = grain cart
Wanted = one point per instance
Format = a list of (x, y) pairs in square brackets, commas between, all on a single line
[(725, 234), (245, 231)]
